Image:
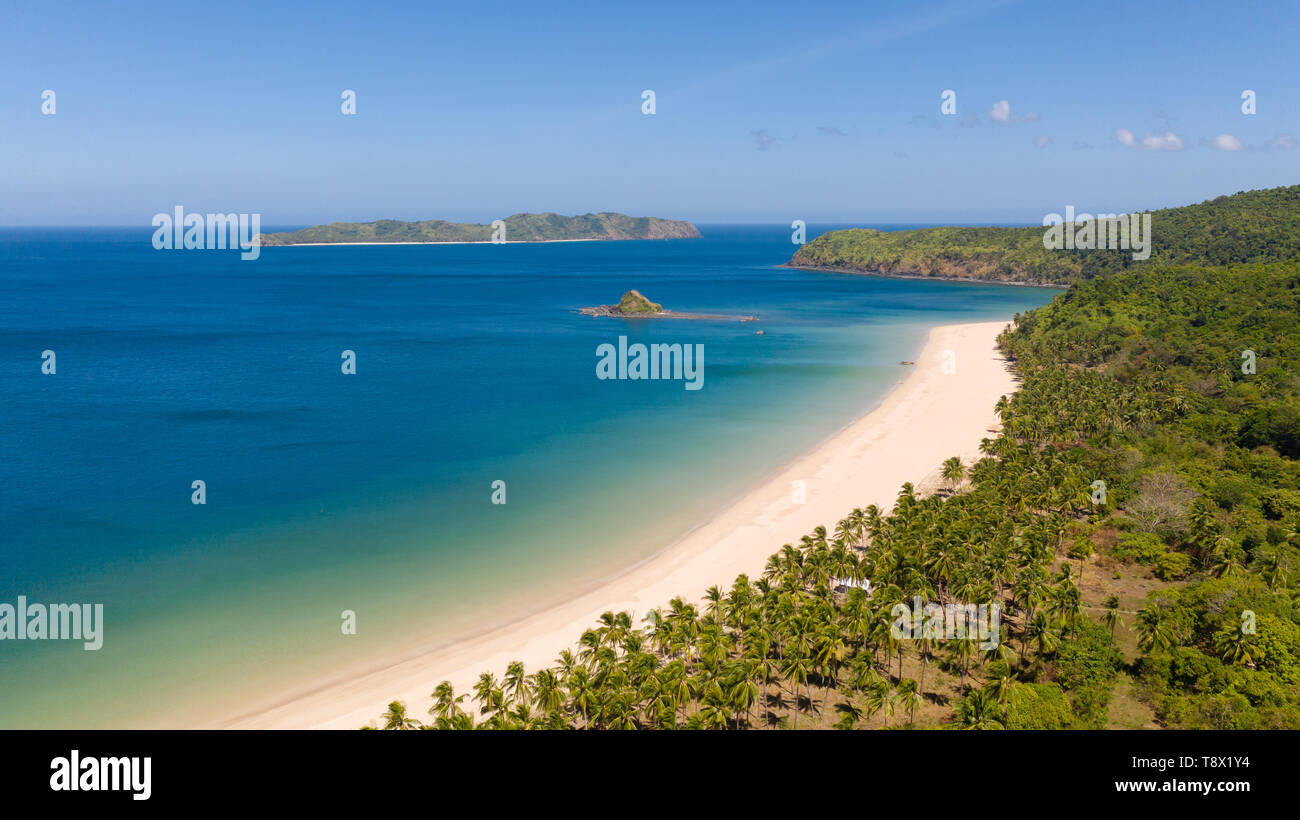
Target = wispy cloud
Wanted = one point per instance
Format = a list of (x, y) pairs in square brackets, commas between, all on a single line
[(764, 140), (1042, 141), (1167, 141), (831, 130), (1001, 112), (1226, 142)]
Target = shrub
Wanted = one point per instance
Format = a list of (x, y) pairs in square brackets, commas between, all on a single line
[(1037, 706), (1172, 565), (1086, 665), (1142, 547)]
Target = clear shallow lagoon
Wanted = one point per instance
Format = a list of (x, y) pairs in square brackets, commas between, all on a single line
[(372, 492)]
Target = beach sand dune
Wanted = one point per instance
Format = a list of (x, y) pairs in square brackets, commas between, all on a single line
[(943, 407)]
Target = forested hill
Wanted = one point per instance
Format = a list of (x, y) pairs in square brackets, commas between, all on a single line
[(1179, 387), (1252, 226), (518, 228)]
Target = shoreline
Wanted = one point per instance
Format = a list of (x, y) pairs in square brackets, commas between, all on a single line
[(925, 418)]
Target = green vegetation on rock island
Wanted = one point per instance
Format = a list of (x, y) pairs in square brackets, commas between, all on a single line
[(634, 305)]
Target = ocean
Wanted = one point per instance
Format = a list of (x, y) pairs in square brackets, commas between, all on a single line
[(371, 493)]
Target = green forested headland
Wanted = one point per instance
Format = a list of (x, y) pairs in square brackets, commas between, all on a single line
[(1253, 226)]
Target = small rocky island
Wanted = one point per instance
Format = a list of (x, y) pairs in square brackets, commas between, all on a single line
[(634, 305)]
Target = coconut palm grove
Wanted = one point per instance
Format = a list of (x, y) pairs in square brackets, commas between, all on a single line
[(1136, 520)]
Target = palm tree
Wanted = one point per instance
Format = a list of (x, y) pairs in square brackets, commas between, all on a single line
[(1067, 602), (980, 711), (713, 710), (961, 651), (682, 687), (446, 703), (547, 691), (1226, 558), (1111, 618), (1154, 632), (1081, 549), (396, 718), (881, 699), (565, 664), (743, 693), (583, 695), (999, 682), (911, 695), (515, 685), (714, 596), (1044, 634), (796, 669), (1274, 566), (1236, 646), (954, 473), (1028, 593), (830, 653), (487, 693)]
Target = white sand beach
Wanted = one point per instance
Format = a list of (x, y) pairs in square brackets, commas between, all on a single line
[(930, 416)]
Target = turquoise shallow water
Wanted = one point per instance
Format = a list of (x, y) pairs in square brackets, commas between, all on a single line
[(372, 492)]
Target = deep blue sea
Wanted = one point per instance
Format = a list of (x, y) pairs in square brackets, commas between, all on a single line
[(372, 492)]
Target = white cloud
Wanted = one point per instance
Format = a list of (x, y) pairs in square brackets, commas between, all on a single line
[(1226, 142), (1284, 141), (1001, 112), (1168, 141), (1042, 141)]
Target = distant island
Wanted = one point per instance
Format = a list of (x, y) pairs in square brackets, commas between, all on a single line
[(547, 227), (1247, 227), (634, 305)]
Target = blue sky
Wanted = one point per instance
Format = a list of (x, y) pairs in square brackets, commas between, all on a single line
[(766, 112)]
